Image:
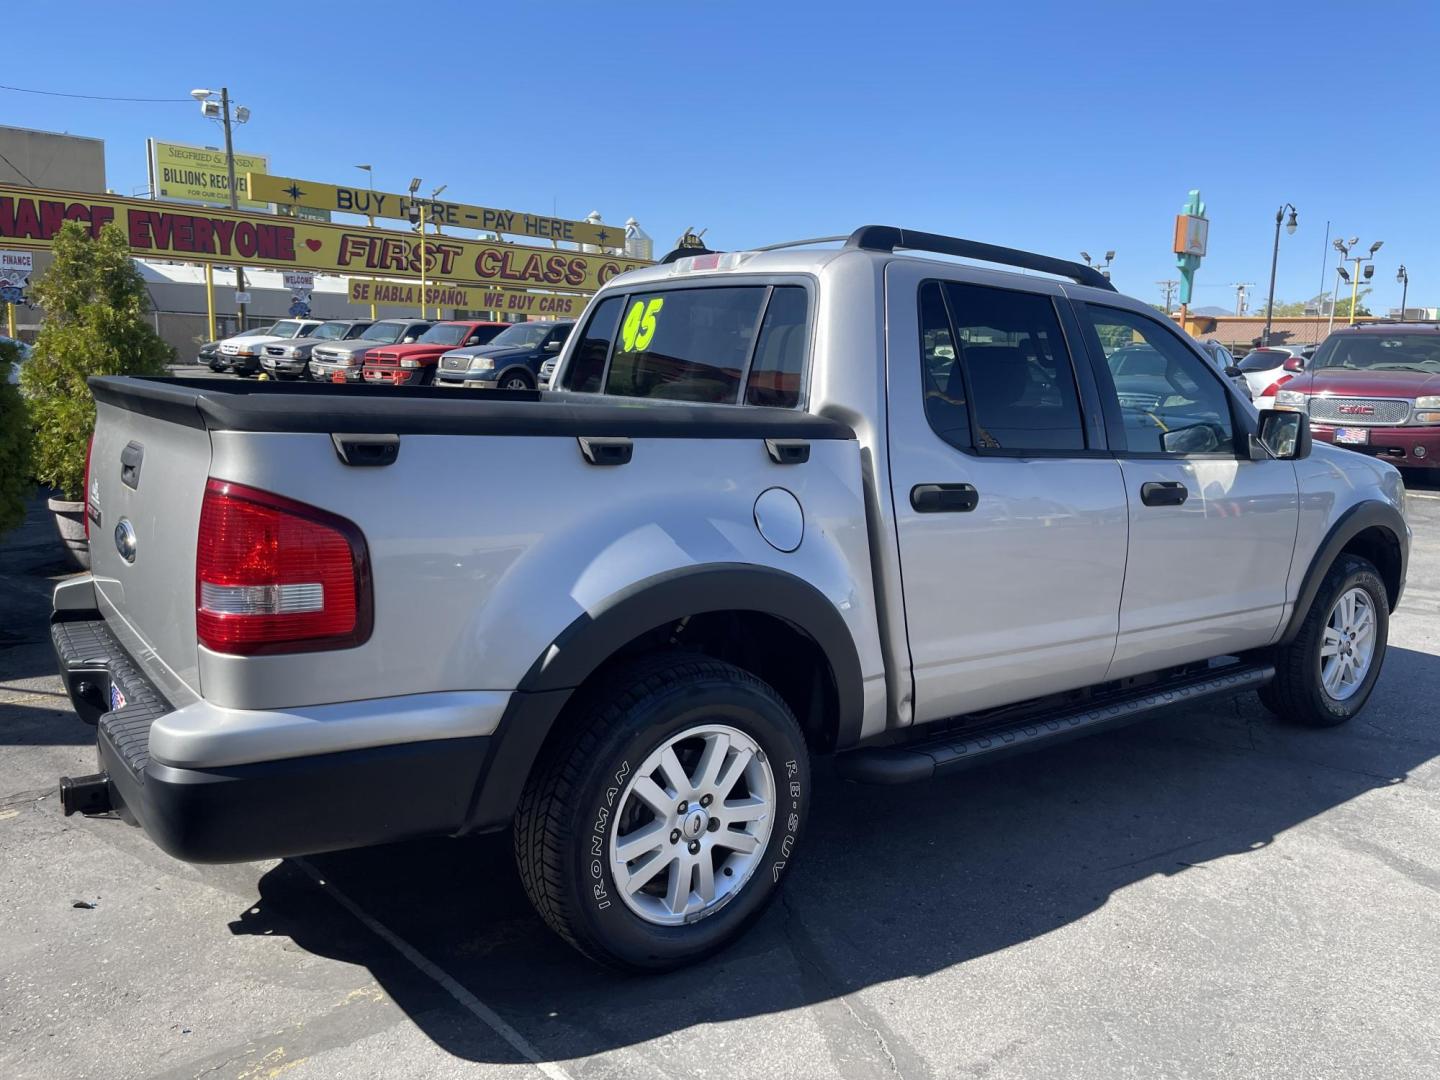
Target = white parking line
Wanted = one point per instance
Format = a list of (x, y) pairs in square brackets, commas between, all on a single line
[(1421, 495), (474, 1005)]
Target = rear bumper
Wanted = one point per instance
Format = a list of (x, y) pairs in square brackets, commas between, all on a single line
[(1409, 447), (286, 805)]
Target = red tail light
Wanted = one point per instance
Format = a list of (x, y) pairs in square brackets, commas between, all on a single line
[(276, 576), (85, 496), (1274, 387)]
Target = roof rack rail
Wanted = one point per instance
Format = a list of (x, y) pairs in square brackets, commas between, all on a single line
[(888, 238)]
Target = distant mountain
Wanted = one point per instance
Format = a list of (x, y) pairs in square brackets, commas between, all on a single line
[(1211, 309)]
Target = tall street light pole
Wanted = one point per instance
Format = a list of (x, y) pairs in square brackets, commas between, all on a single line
[(207, 109), (1403, 276), (1274, 261), (1103, 267), (369, 171)]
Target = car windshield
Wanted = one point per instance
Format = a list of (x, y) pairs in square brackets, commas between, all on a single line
[(285, 328), (330, 331), (445, 334), (1263, 360), (385, 331), (1136, 360), (521, 334), (1380, 352)]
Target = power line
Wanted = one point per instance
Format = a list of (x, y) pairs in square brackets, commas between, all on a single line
[(90, 97), (17, 171)]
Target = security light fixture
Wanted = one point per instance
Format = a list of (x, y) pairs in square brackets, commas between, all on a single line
[(242, 114), (201, 95), (1369, 271), (414, 185), (436, 193), (1293, 223), (1376, 246)]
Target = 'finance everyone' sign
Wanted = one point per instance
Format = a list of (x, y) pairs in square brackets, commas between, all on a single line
[(30, 218)]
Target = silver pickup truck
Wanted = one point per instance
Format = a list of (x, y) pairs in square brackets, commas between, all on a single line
[(835, 499)]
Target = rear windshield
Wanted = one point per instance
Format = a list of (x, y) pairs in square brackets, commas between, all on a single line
[(385, 331), (445, 334), (1380, 352), (722, 344), (1263, 360)]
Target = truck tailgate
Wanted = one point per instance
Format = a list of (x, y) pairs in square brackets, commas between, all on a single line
[(147, 481)]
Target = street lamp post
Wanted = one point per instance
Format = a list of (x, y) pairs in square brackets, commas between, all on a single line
[(1403, 276), (209, 110), (1103, 267), (1344, 248), (1274, 261), (417, 214)]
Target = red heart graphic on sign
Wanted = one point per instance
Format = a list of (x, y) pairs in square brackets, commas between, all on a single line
[(313, 245)]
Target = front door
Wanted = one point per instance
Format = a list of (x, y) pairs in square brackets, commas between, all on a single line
[(1211, 532), (1011, 519)]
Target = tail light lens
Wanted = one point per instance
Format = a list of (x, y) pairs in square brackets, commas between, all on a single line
[(277, 576), (1274, 388)]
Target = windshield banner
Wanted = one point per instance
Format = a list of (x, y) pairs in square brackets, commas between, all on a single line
[(468, 298), (30, 218)]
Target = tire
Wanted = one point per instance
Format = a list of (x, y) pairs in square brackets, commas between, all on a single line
[(582, 799), (515, 380), (1299, 693)]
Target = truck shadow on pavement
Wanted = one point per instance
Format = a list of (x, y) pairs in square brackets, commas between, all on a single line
[(893, 883)]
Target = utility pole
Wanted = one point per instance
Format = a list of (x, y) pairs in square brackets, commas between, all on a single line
[(234, 201), (1240, 304), (1169, 285), (1402, 276)]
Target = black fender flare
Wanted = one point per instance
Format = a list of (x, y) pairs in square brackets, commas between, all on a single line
[(1351, 523), (655, 601)]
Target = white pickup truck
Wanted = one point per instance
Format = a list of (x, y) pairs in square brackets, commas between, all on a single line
[(833, 498)]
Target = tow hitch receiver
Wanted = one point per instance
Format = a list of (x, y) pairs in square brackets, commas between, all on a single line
[(86, 794)]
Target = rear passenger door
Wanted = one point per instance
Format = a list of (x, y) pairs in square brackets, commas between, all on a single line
[(1211, 531), (1010, 512)]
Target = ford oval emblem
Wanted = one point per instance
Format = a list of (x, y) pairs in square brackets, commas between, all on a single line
[(125, 542)]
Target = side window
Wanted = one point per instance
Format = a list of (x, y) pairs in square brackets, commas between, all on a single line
[(685, 344), (1017, 370), (1170, 400), (778, 367), (944, 381), (587, 363)]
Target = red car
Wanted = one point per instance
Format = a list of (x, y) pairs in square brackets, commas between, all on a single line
[(1376, 389), (414, 364)]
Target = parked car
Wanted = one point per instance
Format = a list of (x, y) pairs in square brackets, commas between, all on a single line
[(547, 372), (414, 364), (682, 579), (1224, 362), (1375, 388), (510, 360), (241, 354), (345, 360), (208, 355), (1267, 369), (291, 359)]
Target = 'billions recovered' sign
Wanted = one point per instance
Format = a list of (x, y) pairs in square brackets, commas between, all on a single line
[(30, 218), (468, 298)]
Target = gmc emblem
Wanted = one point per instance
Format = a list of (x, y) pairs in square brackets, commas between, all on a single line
[(1356, 410)]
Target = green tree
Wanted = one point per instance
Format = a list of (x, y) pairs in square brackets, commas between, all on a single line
[(1342, 305), (96, 323), (16, 479)]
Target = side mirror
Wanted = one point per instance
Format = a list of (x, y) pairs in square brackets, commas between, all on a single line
[(1285, 434), (1294, 364), (407, 339), (552, 346), (1233, 372), (1194, 439)]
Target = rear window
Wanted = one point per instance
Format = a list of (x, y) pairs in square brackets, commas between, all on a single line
[(1263, 360), (721, 344), (1380, 352)]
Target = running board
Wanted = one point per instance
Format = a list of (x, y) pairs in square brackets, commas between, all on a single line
[(902, 763)]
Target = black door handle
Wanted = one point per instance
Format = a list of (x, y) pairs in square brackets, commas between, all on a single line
[(1164, 493), (944, 498)]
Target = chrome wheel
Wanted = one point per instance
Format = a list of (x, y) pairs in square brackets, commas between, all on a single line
[(1347, 648), (515, 382), (693, 825)]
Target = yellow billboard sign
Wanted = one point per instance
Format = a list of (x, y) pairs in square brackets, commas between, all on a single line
[(469, 298), (198, 174), (30, 218), (384, 204)]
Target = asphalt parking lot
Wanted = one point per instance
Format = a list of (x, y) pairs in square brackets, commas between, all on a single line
[(1210, 894)]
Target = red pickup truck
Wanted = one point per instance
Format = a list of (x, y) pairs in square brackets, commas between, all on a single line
[(1375, 389), (414, 364)]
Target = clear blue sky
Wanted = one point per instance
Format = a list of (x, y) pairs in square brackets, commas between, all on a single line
[(1052, 126)]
